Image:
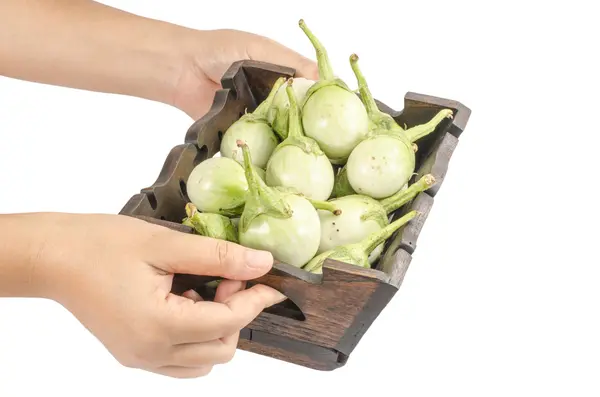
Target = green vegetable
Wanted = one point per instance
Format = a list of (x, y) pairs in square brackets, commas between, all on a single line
[(255, 130), (332, 114), (278, 220), (358, 253), (314, 172), (210, 225), (362, 215), (298, 162), (342, 187), (218, 185), (384, 162), (278, 115)]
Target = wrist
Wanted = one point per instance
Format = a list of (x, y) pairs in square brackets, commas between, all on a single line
[(159, 60), (21, 256), (154, 57), (92, 46), (27, 268), (164, 59)]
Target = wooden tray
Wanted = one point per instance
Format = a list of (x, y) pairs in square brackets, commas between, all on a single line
[(326, 315)]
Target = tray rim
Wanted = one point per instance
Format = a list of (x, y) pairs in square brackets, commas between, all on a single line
[(230, 88)]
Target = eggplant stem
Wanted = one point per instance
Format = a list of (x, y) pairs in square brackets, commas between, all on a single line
[(376, 116), (316, 263), (190, 209), (211, 225), (375, 239), (294, 123), (323, 62), (262, 109), (325, 205), (419, 131), (261, 199), (363, 87), (398, 199), (194, 219)]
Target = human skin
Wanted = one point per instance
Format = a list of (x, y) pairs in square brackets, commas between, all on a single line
[(87, 45), (114, 273)]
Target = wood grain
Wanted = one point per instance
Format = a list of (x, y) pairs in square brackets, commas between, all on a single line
[(438, 161), (326, 315)]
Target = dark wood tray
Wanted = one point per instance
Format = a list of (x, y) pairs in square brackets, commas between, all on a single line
[(326, 315)]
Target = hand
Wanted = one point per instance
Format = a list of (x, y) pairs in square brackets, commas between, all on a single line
[(76, 46), (213, 52), (114, 273)]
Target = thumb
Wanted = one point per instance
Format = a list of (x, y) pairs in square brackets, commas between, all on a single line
[(177, 252), (268, 50)]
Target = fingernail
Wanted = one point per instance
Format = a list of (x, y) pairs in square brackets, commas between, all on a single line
[(193, 295), (280, 297), (258, 259)]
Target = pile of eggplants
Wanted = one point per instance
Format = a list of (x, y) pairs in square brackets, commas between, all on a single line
[(314, 172)]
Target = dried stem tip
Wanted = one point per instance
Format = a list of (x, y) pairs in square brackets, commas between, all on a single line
[(240, 143), (429, 179), (190, 209)]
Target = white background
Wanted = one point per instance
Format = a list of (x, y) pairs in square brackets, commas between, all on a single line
[(501, 298)]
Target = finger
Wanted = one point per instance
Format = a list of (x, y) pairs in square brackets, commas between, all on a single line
[(178, 252), (183, 372), (218, 351), (268, 50), (193, 295), (225, 290), (202, 354), (204, 321)]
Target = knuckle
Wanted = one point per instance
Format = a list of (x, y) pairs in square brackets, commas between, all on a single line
[(203, 371), (257, 297), (223, 249), (228, 352), (228, 256), (232, 326), (244, 310)]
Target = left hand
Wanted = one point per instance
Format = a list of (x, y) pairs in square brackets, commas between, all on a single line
[(215, 51)]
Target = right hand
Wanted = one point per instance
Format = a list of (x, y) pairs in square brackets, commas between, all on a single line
[(208, 54), (115, 273)]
